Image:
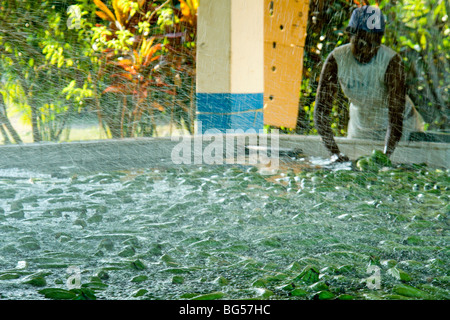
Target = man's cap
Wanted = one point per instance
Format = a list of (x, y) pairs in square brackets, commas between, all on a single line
[(367, 18)]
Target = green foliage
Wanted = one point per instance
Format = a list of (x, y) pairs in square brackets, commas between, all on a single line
[(144, 63), (37, 59), (419, 31), (57, 59), (62, 58)]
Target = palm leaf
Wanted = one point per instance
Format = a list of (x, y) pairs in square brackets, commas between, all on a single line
[(155, 58), (105, 9), (189, 10), (103, 15), (118, 9), (150, 52), (146, 45), (127, 76), (124, 63), (116, 89), (185, 10), (127, 65)]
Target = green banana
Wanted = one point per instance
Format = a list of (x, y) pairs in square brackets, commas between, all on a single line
[(412, 292), (399, 274), (325, 295), (57, 294), (309, 275), (380, 158), (373, 162)]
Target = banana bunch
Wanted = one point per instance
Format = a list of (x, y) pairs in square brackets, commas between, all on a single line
[(374, 162)]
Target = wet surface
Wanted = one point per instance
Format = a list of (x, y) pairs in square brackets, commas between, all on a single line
[(307, 231)]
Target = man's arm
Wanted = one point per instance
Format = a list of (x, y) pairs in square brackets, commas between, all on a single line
[(395, 79), (328, 86)]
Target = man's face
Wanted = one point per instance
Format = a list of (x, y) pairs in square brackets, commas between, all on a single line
[(364, 45)]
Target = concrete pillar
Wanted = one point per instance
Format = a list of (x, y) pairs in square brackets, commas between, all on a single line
[(230, 65)]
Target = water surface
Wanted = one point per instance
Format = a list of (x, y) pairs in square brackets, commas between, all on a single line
[(182, 232)]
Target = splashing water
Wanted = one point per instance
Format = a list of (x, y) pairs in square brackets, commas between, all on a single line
[(178, 233)]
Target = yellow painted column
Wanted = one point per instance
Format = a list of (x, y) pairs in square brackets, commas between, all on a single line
[(230, 65), (285, 24)]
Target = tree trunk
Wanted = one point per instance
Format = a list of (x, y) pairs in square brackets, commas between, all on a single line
[(4, 120), (5, 135), (34, 125)]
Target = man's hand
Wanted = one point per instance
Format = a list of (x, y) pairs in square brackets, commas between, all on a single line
[(388, 152), (339, 157)]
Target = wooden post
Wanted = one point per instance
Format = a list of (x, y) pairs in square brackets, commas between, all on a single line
[(284, 40)]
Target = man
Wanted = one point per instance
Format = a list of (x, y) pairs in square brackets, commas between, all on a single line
[(371, 75)]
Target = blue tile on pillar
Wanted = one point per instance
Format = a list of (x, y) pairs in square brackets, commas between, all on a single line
[(213, 111), (222, 111), (247, 111), (213, 122), (213, 102), (248, 121)]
